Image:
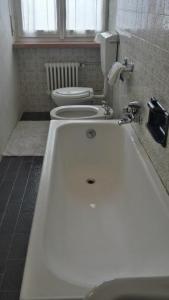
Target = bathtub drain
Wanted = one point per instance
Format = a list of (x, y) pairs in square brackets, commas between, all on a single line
[(90, 181)]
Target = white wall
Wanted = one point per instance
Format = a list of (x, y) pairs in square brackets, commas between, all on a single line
[(9, 100)]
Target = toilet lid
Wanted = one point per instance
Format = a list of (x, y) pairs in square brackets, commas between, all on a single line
[(76, 92)]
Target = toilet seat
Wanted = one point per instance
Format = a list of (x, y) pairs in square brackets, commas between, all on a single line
[(72, 95), (74, 91)]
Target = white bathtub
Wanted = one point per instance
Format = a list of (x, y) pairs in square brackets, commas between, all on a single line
[(84, 234)]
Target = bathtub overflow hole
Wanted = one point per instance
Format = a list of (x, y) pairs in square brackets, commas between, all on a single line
[(90, 180), (90, 133)]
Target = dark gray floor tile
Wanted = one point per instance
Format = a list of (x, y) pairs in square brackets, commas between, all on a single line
[(15, 162), (36, 116), (1, 216), (38, 160), (5, 192), (8, 183), (18, 192), (24, 222), (10, 219), (21, 181), (19, 246), (30, 198), (2, 266), (5, 242), (32, 186), (1, 278), (9, 295), (13, 276), (11, 214), (4, 164)]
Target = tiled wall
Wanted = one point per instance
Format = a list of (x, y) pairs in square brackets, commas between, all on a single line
[(33, 78), (144, 38)]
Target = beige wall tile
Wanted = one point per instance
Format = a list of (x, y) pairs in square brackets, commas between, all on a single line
[(144, 38), (33, 86)]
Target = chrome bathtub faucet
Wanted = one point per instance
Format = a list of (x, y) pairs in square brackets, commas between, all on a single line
[(131, 113), (107, 109)]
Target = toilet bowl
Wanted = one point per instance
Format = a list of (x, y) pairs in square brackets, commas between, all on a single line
[(78, 112), (72, 95)]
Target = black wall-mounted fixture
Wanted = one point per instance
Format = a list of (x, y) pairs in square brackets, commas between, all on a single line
[(158, 121)]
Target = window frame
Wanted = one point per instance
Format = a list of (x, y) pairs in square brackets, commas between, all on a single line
[(62, 34)]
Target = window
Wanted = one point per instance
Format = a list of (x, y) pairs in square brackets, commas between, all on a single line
[(38, 15), (61, 18)]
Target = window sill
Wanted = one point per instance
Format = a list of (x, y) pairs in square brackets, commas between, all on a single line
[(53, 44)]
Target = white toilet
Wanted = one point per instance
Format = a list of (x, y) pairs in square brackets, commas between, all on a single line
[(72, 95), (83, 95)]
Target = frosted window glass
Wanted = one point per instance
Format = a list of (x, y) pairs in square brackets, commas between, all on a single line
[(82, 15), (39, 15)]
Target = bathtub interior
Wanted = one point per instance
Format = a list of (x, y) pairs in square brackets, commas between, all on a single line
[(144, 297), (155, 288), (113, 228)]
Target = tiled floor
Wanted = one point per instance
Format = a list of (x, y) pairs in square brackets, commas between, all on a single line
[(36, 116), (28, 138), (19, 181)]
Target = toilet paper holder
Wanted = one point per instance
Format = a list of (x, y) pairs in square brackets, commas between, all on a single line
[(129, 67)]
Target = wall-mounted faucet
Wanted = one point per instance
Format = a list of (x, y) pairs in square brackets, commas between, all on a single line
[(108, 110), (131, 113), (129, 68)]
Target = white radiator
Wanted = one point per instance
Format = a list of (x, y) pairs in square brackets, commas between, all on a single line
[(61, 75)]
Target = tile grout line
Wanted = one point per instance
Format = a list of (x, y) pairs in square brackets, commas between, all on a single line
[(8, 165), (13, 234), (9, 197)]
